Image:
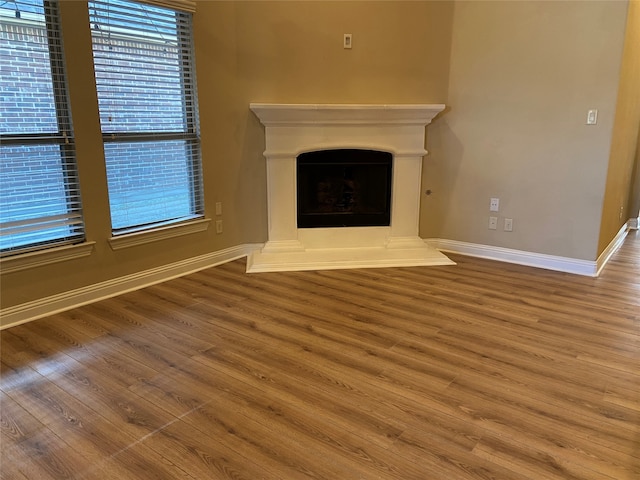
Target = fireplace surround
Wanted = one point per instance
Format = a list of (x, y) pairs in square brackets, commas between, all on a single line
[(292, 130)]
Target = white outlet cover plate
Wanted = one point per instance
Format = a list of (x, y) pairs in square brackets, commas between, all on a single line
[(508, 224)]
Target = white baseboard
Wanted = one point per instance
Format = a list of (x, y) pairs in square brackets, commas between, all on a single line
[(617, 241), (26, 312), (532, 259), (634, 223), (520, 257)]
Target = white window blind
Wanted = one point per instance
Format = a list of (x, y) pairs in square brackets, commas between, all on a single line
[(39, 193), (145, 78)]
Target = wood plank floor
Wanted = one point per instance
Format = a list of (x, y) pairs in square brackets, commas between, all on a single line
[(482, 370)]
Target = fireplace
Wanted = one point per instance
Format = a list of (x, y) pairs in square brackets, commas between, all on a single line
[(309, 232), (344, 188)]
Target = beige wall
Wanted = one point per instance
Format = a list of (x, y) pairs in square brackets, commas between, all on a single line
[(620, 181), (518, 77), (246, 52), (292, 51), (634, 201), (523, 75)]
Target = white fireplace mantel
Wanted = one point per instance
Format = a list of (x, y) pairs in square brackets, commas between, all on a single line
[(292, 129), (284, 114)]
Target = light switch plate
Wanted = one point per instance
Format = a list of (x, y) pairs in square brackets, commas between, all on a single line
[(347, 40)]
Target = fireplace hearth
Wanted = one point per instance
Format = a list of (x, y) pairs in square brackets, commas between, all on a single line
[(309, 232)]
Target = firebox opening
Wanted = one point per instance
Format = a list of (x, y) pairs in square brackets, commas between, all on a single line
[(344, 188)]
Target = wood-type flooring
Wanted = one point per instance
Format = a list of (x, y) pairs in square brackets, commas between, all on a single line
[(482, 370)]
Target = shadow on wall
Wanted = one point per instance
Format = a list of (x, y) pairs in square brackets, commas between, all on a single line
[(634, 202), (439, 173), (253, 167)]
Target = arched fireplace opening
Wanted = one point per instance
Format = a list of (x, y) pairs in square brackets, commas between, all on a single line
[(344, 188)]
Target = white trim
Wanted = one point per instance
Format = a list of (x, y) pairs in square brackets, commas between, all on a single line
[(26, 312), (286, 155), (633, 223), (29, 311), (283, 114), (520, 257), (617, 241), (48, 256), (341, 258), (292, 129), (147, 236)]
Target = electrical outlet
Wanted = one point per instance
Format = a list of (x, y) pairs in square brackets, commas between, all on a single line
[(493, 223), (494, 205), (218, 226), (508, 224)]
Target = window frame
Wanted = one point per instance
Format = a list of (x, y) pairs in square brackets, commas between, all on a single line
[(63, 138), (190, 135)]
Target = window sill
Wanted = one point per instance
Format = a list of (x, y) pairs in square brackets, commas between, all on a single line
[(40, 258), (147, 236)]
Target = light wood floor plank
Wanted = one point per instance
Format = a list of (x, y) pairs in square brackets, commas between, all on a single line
[(481, 370)]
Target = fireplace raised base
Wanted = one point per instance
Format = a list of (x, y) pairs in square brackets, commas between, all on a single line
[(412, 253), (294, 129)]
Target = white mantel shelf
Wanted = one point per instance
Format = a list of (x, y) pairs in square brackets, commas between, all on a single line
[(285, 114), (292, 129)]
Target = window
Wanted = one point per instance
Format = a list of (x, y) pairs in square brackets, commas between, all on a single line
[(39, 194), (147, 99)]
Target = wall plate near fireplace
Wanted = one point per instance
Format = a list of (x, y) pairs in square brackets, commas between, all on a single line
[(307, 131)]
